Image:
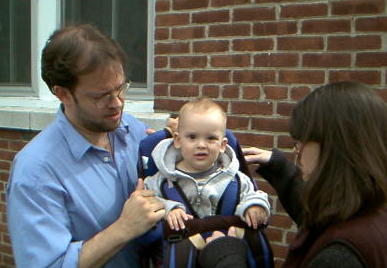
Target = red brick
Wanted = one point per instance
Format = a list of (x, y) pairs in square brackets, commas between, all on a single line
[(275, 60), (237, 122), (168, 104), (171, 48), (189, 4), (281, 221), (279, 251), (188, 62), (161, 62), (303, 10), (357, 7), (274, 235), (264, 185), (172, 76), (229, 30), (300, 43), (230, 61), (374, 24), (211, 16), (302, 76), (246, 76), (230, 92), (251, 92), (4, 175), (270, 124), (221, 3), (255, 139), (184, 91), (285, 142), (172, 19), (275, 92), (162, 5), (253, 44), (252, 107), (11, 134), (6, 249), (9, 261), (4, 144), (354, 43), (382, 93), (210, 91), (290, 237), (161, 90), (284, 108), (326, 60), (297, 93), (211, 46), (211, 76), (17, 145), (326, 26), (371, 59), (368, 77), (254, 14), (7, 155), (161, 34), (274, 28), (188, 33)]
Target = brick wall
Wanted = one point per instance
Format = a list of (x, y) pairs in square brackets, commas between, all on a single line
[(11, 141), (258, 57)]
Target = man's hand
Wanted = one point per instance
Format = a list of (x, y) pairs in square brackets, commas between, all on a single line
[(255, 215), (255, 155), (141, 211), (176, 218)]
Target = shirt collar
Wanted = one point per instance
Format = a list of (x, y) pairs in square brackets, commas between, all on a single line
[(78, 144)]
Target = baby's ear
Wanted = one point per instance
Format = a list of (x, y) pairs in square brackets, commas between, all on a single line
[(176, 139), (223, 145)]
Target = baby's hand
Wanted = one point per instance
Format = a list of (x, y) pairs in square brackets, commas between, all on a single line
[(176, 218), (255, 215)]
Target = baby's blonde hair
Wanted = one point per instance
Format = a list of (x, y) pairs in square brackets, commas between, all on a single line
[(201, 105)]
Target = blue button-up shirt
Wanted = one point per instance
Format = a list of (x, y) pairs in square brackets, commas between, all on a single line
[(63, 190)]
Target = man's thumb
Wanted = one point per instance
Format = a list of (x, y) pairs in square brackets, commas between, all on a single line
[(140, 184)]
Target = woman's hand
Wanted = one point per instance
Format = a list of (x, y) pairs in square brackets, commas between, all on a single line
[(254, 155)]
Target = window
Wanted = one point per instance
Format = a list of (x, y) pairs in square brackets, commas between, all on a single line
[(125, 21), (26, 25), (15, 43)]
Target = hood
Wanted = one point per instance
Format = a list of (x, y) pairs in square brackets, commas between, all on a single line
[(165, 156)]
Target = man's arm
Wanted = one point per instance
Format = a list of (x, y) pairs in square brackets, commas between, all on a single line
[(140, 213)]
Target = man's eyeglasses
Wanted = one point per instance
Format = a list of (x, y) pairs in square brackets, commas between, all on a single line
[(298, 147), (120, 92)]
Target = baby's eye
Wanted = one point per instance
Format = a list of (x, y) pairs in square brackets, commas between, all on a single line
[(191, 136), (213, 138)]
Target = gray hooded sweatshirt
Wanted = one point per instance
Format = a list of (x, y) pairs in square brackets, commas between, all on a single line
[(203, 195)]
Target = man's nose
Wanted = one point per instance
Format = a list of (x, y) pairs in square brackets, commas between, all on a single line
[(116, 101)]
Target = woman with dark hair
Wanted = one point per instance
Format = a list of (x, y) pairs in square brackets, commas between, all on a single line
[(337, 190)]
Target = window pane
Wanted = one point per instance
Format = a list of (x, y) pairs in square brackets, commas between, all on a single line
[(123, 20), (15, 42)]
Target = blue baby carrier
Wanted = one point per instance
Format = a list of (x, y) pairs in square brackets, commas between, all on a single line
[(177, 248)]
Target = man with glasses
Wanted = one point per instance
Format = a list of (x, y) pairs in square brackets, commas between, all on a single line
[(73, 196)]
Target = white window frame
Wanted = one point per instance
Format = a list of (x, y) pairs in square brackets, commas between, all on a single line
[(45, 19), (33, 107)]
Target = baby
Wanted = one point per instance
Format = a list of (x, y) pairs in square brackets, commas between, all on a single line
[(201, 163)]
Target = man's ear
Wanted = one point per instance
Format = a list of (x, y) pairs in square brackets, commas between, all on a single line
[(63, 94), (176, 140), (223, 145)]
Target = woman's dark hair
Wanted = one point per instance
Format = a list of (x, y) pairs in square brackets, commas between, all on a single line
[(349, 121), (76, 50)]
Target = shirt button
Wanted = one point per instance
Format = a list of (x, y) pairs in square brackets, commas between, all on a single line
[(106, 159)]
